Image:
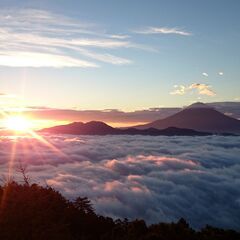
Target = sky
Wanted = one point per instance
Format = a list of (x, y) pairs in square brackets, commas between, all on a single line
[(123, 62), (126, 55)]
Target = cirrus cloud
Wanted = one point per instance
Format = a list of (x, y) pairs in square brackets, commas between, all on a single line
[(163, 30), (37, 38), (33, 59)]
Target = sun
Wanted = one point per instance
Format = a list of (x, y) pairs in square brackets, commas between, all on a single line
[(17, 123)]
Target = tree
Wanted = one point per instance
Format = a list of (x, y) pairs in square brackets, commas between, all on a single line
[(84, 204)]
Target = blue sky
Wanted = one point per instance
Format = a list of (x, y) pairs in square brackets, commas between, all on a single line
[(119, 54)]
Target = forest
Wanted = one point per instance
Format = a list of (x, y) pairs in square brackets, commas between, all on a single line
[(30, 211)]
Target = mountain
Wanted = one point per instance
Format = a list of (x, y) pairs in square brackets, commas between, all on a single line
[(89, 128), (101, 128), (199, 117)]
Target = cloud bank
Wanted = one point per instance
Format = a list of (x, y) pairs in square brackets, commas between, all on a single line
[(155, 178)]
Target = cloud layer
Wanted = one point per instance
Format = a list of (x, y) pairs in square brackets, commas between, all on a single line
[(155, 178)]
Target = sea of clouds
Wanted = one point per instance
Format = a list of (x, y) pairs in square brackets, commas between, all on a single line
[(154, 178)]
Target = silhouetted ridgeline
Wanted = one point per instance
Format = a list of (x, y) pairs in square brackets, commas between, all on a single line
[(101, 128), (35, 212)]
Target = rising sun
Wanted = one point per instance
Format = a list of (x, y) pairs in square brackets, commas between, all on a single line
[(17, 123)]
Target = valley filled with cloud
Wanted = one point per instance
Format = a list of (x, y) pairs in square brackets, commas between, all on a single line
[(154, 178)]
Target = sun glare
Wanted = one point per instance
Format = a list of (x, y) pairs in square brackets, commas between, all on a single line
[(17, 123)]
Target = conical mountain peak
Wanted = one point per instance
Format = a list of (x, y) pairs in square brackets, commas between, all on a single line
[(199, 117), (198, 105)]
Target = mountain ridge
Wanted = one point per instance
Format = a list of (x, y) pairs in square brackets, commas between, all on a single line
[(101, 128)]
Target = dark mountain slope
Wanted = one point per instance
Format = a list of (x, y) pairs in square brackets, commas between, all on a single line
[(199, 117), (100, 128), (89, 128)]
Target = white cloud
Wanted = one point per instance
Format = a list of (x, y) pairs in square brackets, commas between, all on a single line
[(105, 57), (179, 90), (205, 74), (118, 36), (163, 30), (31, 59), (155, 178), (39, 38), (220, 73), (202, 89)]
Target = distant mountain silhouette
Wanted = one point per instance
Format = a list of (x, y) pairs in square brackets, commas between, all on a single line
[(101, 128), (89, 128), (199, 117)]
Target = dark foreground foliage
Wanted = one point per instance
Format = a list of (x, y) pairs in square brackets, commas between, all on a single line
[(35, 212)]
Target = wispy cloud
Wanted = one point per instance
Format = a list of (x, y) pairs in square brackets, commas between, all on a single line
[(202, 89), (34, 59), (36, 38), (162, 30), (118, 36), (105, 57)]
